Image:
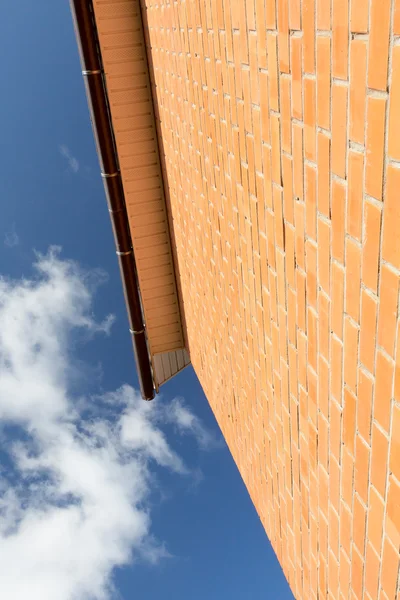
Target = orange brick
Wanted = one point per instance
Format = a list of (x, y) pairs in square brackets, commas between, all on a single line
[(347, 477), (359, 16), (323, 387), (285, 111), (312, 338), (364, 405), (357, 571), (333, 516), (379, 456), (337, 299), (335, 417), (312, 411), (270, 15), (344, 576), (339, 122), (308, 23), (323, 486), (350, 354), (353, 276), (290, 261), (276, 148), (323, 15), (311, 274), (301, 300), (296, 54), (358, 82), (340, 41), (311, 201), (337, 369), (288, 201), (368, 330), (372, 234), (338, 219), (375, 520), (345, 529), (394, 101), (283, 36), (299, 235), (349, 420), (323, 325), (324, 255), (391, 221), (323, 442), (361, 469), (396, 18), (271, 239), (372, 567), (323, 82), (383, 390), (359, 524), (333, 574), (390, 568), (397, 368), (298, 161), (273, 73), (379, 44), (250, 14), (264, 107), (355, 192), (294, 14), (389, 292), (394, 462), (322, 577), (393, 512), (375, 146), (309, 119), (323, 160), (302, 354)]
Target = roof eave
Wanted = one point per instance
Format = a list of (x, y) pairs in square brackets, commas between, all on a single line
[(92, 69)]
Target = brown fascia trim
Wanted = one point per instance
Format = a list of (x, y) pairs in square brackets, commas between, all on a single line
[(92, 69)]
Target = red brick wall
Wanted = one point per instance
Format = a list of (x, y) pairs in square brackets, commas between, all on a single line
[(281, 133)]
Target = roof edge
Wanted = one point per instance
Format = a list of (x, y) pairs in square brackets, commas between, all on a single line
[(92, 70)]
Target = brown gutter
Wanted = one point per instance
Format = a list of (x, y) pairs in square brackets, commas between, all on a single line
[(92, 69)]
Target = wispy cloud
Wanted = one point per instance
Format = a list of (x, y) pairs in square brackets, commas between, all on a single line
[(188, 423), (76, 477), (11, 238), (72, 161)]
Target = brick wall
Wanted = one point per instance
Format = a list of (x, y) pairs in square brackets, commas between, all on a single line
[(281, 133)]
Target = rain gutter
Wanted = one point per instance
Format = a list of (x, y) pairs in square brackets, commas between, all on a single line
[(92, 70)]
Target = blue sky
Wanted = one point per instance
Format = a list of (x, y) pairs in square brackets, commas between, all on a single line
[(52, 194)]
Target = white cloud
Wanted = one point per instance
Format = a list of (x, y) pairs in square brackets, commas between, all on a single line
[(188, 423), (76, 473), (73, 162), (11, 238)]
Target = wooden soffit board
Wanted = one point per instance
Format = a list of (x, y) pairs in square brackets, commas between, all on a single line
[(121, 39)]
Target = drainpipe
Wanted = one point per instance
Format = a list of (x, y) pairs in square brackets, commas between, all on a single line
[(92, 70)]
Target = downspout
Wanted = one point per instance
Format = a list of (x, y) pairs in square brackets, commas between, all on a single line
[(92, 70)]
